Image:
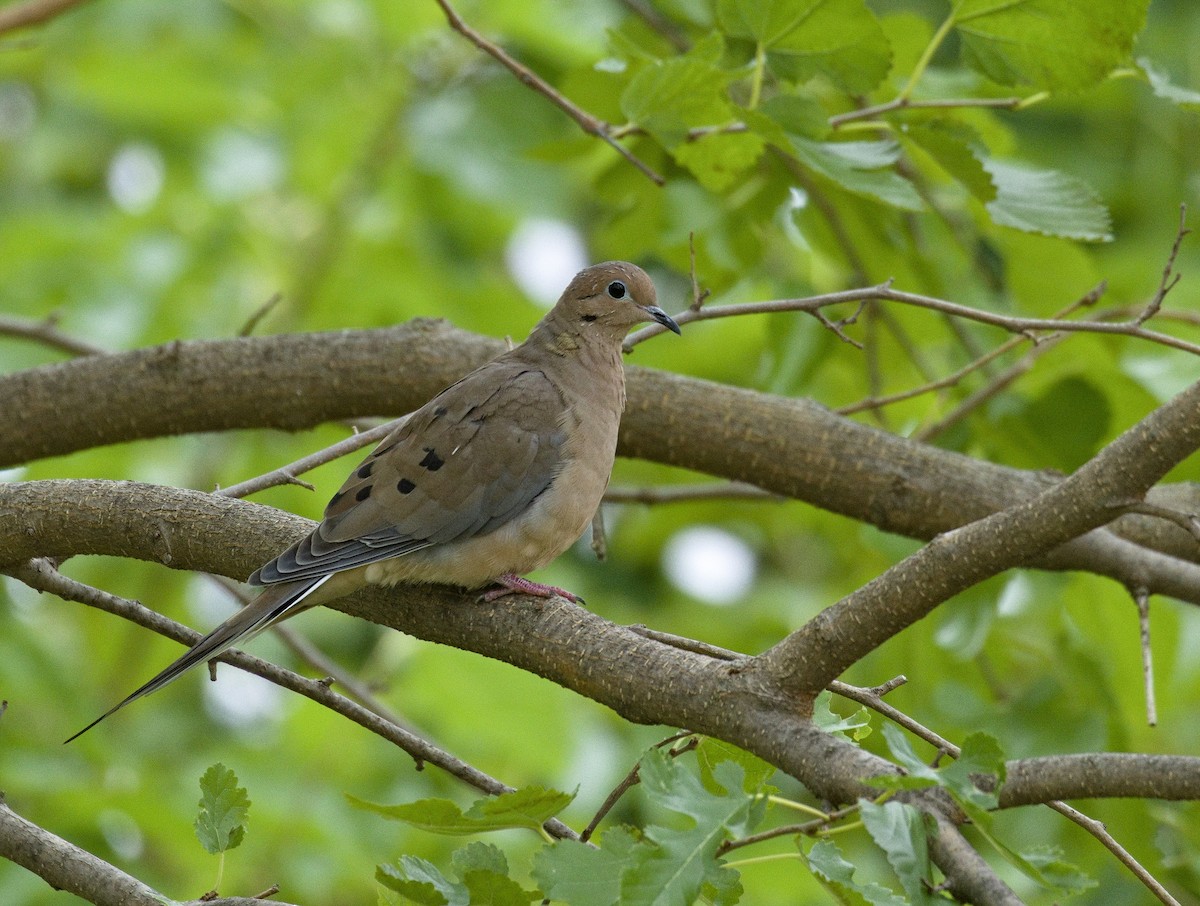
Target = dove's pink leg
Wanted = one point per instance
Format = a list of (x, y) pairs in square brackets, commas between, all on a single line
[(512, 584)]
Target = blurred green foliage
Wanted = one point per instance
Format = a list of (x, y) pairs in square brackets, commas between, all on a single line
[(166, 168)]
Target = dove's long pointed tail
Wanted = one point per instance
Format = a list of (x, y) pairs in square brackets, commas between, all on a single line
[(275, 603)]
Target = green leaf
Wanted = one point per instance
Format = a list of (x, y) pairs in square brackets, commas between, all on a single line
[(855, 727), (840, 39), (1063, 875), (489, 888), (712, 752), (479, 856), (1046, 201), (1049, 44), (980, 754), (420, 882), (837, 876), (224, 808), (863, 168), (718, 159), (762, 21), (669, 98), (951, 150), (529, 807), (901, 832), (797, 114), (584, 875), (1161, 83), (683, 859)]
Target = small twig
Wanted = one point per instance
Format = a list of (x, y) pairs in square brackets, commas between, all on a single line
[(731, 490), (633, 778), (20, 15), (287, 474), (1169, 277), (527, 77), (42, 576), (266, 894), (1189, 522), (807, 829), (259, 313), (989, 391), (905, 103), (1100, 832), (685, 644), (1142, 598), (47, 333), (698, 297), (660, 23)]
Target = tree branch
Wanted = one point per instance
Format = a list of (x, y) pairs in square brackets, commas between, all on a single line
[(64, 866), (819, 651), (296, 381)]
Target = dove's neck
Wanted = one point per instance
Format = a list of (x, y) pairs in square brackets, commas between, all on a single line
[(582, 366)]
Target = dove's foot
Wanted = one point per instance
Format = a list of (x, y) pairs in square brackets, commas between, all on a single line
[(511, 584)]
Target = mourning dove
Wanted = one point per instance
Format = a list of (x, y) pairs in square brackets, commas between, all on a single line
[(492, 478)]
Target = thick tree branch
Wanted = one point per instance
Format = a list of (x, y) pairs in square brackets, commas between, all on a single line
[(837, 637), (295, 382)]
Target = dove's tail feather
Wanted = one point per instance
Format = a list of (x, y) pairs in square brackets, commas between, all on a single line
[(275, 603)]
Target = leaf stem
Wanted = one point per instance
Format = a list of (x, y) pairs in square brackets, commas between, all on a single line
[(760, 65), (927, 54)]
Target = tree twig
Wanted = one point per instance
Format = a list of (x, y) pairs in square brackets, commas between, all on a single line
[(588, 123), (47, 333)]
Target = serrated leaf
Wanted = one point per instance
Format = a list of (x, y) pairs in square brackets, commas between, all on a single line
[(479, 856), (224, 808), (717, 160), (857, 726), (840, 39), (863, 168), (904, 754), (1048, 44), (1162, 86), (953, 153), (489, 888), (419, 881), (671, 97), (684, 859), (762, 21), (529, 807), (1046, 201), (837, 876), (900, 831), (584, 875)]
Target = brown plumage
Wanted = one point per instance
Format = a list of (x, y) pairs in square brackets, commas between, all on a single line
[(494, 477)]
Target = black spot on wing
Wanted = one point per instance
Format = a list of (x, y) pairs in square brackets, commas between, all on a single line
[(404, 486), (432, 461), (363, 493), (366, 469)]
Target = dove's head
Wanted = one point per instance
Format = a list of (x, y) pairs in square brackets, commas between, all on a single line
[(605, 300)]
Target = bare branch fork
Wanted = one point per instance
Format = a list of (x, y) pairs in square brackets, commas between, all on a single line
[(588, 123)]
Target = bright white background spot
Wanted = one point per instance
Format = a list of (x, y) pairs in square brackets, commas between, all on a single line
[(710, 564), (542, 256), (237, 164), (121, 833), (241, 700), (135, 177)]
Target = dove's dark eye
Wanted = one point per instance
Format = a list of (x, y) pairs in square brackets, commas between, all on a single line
[(616, 289)]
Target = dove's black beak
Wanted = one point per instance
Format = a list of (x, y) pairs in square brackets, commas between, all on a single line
[(662, 318)]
